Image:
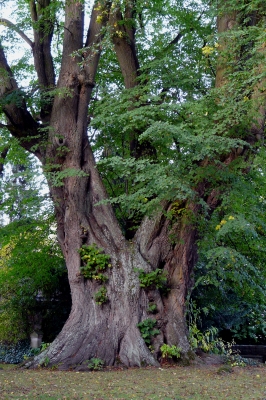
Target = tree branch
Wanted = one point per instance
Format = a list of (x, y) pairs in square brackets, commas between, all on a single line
[(12, 26), (176, 39), (123, 37), (180, 35), (3, 155), (95, 34), (43, 27), (19, 121)]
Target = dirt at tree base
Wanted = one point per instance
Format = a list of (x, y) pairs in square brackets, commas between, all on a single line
[(203, 359)]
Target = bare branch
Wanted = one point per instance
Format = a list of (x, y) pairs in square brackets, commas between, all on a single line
[(10, 25)]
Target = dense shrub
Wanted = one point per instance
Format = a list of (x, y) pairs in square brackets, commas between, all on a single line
[(14, 354)]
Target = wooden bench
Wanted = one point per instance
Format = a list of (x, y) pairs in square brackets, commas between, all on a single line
[(257, 352)]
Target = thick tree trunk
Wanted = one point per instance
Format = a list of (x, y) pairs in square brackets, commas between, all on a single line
[(109, 331)]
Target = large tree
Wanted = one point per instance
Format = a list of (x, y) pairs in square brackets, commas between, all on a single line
[(181, 136)]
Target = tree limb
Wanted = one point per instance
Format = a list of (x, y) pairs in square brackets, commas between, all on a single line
[(19, 121), (12, 26), (3, 155), (43, 28), (180, 34), (123, 38)]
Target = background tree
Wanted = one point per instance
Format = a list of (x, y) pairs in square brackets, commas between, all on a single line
[(230, 275), (34, 292), (177, 142), (23, 192)]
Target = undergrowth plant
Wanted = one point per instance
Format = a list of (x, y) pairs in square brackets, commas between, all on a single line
[(207, 340), (204, 340), (210, 343), (230, 356), (170, 351), (36, 351), (95, 364), (45, 362), (148, 330)]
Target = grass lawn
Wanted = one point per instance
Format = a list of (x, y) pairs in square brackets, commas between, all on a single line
[(173, 383)]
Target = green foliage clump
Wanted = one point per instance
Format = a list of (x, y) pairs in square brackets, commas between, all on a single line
[(208, 342), (204, 340), (231, 357), (170, 351), (152, 308), (57, 177), (15, 353), (156, 278), (231, 271), (22, 193), (101, 296), (148, 330), (38, 350), (95, 364), (96, 262)]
